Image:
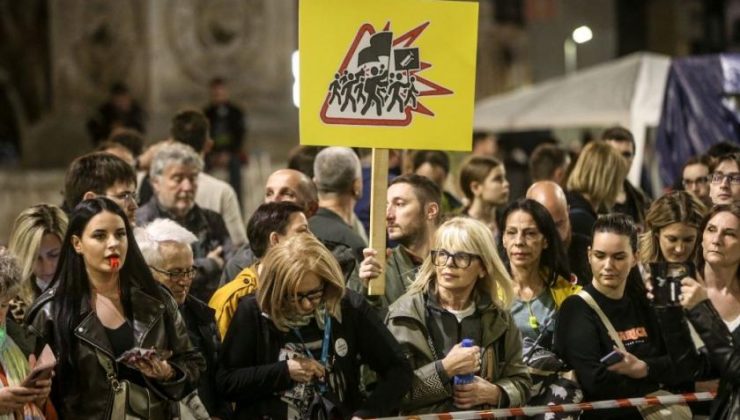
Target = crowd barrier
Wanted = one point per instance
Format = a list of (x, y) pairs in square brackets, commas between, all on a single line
[(563, 408)]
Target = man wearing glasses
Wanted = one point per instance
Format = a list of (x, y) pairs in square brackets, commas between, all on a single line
[(695, 178), (725, 185), (101, 174)]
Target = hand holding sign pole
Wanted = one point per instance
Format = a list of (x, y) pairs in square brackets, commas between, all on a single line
[(387, 74)]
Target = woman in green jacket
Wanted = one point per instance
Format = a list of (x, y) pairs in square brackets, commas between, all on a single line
[(462, 291)]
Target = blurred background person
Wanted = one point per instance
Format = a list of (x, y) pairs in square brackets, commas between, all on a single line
[(594, 184), (483, 182), (120, 111), (435, 165), (672, 228), (549, 162), (228, 130), (695, 178), (631, 200)]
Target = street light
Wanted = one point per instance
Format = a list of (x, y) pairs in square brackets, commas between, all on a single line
[(580, 35)]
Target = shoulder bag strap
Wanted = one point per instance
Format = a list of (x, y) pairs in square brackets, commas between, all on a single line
[(604, 320), (110, 370)]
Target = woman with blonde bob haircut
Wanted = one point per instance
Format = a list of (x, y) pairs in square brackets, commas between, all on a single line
[(302, 338), (594, 184), (462, 291), (672, 228), (36, 240)]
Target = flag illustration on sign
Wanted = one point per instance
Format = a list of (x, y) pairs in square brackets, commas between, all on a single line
[(379, 80)]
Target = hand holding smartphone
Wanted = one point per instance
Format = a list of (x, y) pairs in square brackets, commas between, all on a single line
[(612, 358), (43, 369)]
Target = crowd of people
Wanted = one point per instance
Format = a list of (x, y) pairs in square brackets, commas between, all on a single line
[(157, 302)]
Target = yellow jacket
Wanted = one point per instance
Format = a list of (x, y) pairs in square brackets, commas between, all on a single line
[(562, 289), (227, 298)]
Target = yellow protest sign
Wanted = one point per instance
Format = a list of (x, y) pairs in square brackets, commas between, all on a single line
[(387, 73)]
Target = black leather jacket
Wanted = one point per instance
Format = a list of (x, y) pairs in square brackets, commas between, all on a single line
[(724, 353), (91, 396)]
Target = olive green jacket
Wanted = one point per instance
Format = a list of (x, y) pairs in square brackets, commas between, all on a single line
[(407, 322)]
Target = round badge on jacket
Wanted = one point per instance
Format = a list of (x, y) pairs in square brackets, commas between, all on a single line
[(341, 347)]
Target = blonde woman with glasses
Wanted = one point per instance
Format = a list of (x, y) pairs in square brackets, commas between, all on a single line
[(462, 292), (300, 341)]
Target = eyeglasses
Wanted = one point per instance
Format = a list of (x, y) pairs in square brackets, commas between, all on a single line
[(186, 274), (440, 257), (719, 177), (702, 180), (313, 296), (126, 196)]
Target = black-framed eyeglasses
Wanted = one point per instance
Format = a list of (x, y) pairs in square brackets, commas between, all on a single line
[(719, 177), (177, 274), (440, 257), (312, 296), (126, 196), (702, 180)]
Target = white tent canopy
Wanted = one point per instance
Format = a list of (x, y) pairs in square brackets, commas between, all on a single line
[(627, 91)]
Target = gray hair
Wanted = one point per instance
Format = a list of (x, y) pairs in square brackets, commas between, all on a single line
[(150, 237), (10, 274), (174, 153), (335, 169)]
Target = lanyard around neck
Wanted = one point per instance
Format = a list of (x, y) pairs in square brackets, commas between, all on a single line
[(324, 345)]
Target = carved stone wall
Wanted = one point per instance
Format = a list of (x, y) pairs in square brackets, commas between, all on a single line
[(166, 51)]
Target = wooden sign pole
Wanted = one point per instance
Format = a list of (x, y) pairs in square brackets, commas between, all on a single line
[(378, 194)]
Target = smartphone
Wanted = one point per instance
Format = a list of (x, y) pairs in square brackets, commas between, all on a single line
[(666, 281), (612, 358), (39, 372)]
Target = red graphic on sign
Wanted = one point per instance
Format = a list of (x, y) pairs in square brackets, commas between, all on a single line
[(378, 82)]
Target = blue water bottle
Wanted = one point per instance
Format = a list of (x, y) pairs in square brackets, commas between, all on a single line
[(469, 378)]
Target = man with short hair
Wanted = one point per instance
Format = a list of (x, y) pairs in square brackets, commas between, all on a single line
[(631, 201), (191, 127), (270, 223), (435, 165), (549, 162), (174, 177), (101, 174), (338, 178), (695, 178), (725, 185), (552, 197), (412, 215), (282, 185)]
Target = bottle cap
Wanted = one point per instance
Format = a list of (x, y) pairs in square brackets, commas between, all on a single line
[(467, 342)]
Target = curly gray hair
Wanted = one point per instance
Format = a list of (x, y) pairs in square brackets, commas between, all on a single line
[(10, 274)]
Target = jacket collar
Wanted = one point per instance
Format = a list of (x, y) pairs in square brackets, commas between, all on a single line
[(493, 322), (146, 311)]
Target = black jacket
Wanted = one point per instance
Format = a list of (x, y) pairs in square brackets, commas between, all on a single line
[(251, 375), (582, 215), (211, 231), (203, 333), (156, 323), (724, 354)]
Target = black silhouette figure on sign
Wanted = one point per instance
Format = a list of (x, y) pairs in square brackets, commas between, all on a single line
[(394, 92), (411, 93), (334, 90), (371, 88), (347, 92)]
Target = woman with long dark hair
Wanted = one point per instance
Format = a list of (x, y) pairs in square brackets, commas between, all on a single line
[(102, 302)]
